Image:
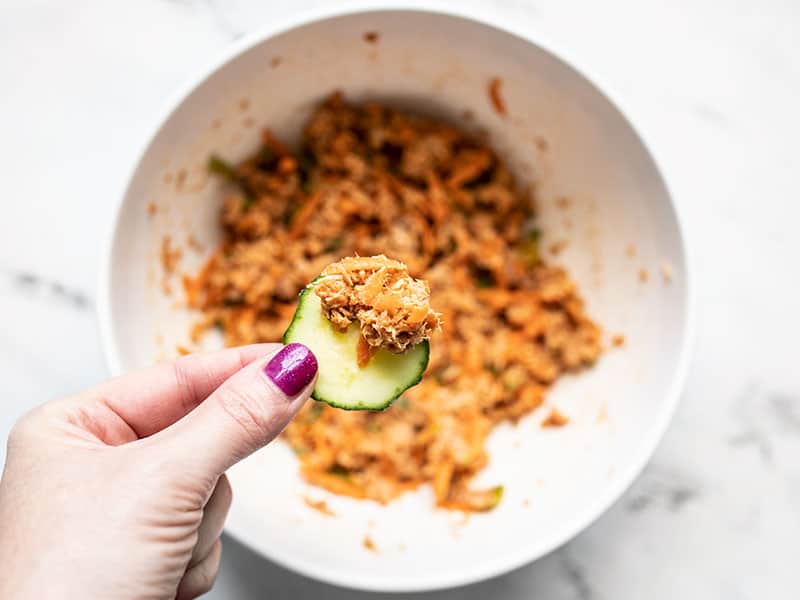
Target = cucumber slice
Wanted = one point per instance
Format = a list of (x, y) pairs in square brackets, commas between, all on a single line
[(340, 381)]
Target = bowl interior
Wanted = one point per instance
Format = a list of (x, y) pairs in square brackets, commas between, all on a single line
[(561, 135)]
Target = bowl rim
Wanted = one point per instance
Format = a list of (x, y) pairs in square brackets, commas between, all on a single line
[(523, 554)]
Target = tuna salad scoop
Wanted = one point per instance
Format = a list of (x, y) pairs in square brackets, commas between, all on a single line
[(393, 308), (368, 321)]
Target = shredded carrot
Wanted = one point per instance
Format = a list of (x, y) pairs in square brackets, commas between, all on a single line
[(304, 215), (364, 352), (442, 481)]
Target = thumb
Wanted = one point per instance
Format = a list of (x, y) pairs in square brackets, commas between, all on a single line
[(245, 413)]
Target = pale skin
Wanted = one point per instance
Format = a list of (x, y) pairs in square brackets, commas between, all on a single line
[(120, 491)]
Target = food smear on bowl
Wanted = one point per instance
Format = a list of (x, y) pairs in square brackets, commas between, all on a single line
[(320, 506), (367, 321), (666, 271), (369, 544), (382, 181), (495, 96), (170, 256), (555, 419)]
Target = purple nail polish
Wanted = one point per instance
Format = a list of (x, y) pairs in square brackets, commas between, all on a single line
[(292, 368)]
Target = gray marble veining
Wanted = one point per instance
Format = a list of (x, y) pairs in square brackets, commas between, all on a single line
[(30, 285)]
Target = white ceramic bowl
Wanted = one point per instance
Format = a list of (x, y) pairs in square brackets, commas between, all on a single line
[(561, 133)]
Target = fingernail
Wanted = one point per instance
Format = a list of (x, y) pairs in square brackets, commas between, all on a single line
[(292, 368)]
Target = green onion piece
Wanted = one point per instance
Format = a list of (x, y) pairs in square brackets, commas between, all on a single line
[(306, 162), (219, 167), (498, 495), (402, 403), (265, 156), (529, 247), (484, 280), (288, 215), (339, 472), (233, 301), (313, 413), (299, 450), (334, 244), (493, 369)]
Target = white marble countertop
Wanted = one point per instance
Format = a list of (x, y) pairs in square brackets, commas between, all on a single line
[(714, 86)]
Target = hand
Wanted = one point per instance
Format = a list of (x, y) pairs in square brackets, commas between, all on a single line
[(119, 492)]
